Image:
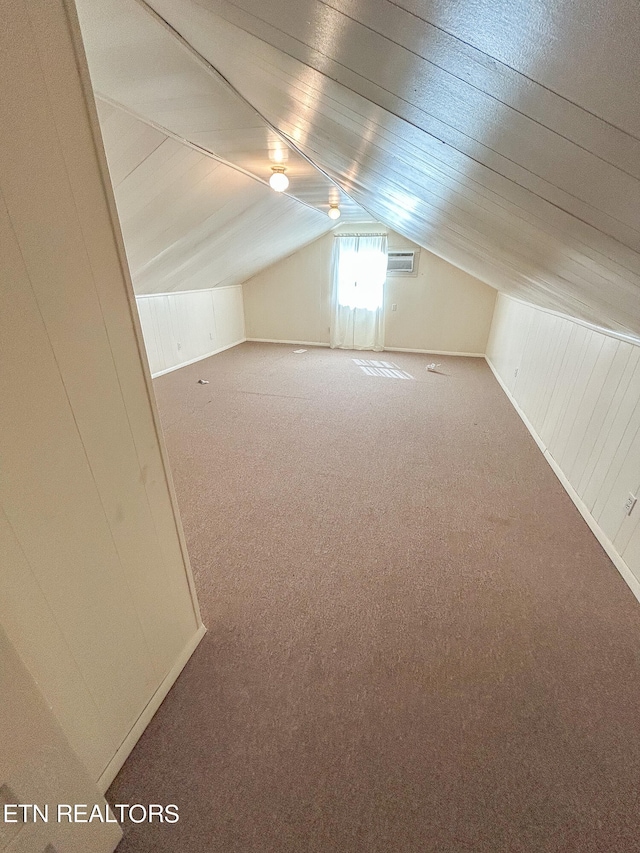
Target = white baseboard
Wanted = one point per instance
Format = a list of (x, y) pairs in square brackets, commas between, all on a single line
[(435, 352), (628, 576), (198, 358), (514, 403), (384, 349), (630, 579), (113, 767), (296, 343)]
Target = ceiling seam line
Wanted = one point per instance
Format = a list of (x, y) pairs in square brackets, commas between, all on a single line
[(131, 171)]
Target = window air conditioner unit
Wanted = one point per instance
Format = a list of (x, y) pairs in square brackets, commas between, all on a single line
[(402, 263)]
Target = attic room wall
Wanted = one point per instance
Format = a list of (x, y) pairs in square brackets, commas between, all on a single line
[(194, 229), (95, 586), (578, 390), (291, 300), (180, 328), (29, 730), (442, 309)]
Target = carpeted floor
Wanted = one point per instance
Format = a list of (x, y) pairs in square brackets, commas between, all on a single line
[(415, 643)]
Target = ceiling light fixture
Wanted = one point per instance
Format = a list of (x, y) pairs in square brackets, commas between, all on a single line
[(334, 211), (278, 180)]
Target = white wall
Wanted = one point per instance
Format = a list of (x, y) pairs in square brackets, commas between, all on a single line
[(291, 300), (96, 593), (442, 309), (29, 732), (579, 389), (180, 328)]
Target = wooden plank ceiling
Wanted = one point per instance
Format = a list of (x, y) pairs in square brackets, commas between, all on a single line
[(190, 160), (503, 135), (189, 221)]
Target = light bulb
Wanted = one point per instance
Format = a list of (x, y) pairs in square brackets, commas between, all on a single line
[(334, 212), (278, 180)]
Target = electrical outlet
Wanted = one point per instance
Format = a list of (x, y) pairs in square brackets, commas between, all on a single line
[(179, 346), (394, 307), (515, 373), (630, 503)]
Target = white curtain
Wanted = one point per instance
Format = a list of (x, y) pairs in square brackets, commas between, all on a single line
[(359, 274)]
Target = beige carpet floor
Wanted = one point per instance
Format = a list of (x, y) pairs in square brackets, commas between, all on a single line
[(415, 642)]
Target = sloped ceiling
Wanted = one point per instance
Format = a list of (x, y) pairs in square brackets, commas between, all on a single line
[(138, 63), (189, 221), (504, 135)]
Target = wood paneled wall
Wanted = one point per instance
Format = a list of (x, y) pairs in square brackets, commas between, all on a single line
[(180, 328), (29, 732), (95, 587), (579, 390)]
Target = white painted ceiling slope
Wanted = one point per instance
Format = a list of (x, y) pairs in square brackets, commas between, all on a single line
[(503, 135), (190, 160), (189, 221)]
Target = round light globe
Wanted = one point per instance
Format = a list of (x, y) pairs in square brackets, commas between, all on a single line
[(334, 212), (279, 182)]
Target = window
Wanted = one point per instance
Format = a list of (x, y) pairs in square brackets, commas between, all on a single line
[(361, 272)]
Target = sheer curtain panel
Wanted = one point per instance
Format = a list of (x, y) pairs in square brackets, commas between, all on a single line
[(359, 274)]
